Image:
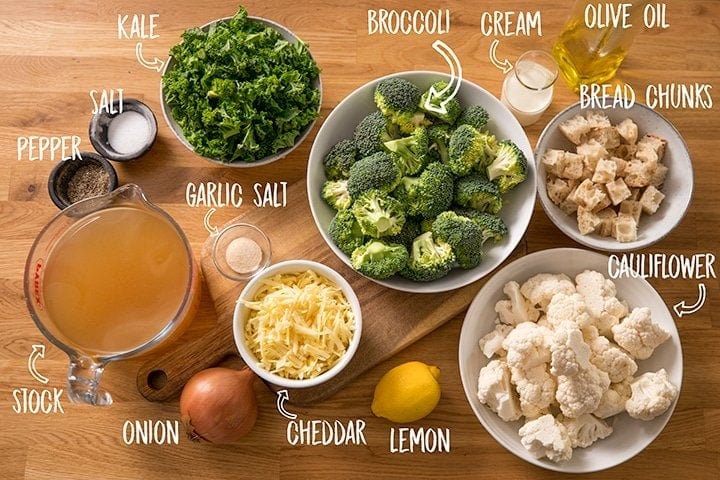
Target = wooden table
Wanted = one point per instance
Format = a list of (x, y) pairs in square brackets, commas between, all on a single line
[(54, 53)]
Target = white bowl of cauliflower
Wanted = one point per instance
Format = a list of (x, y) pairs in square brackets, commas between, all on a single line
[(567, 368), (615, 179)]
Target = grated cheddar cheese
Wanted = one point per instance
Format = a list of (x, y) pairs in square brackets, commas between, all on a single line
[(300, 324)]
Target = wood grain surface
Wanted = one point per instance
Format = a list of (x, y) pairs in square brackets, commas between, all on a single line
[(392, 319), (53, 53)]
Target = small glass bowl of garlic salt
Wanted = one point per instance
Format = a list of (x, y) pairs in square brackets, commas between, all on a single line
[(241, 251)]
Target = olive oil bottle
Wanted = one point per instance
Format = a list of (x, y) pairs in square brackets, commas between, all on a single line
[(595, 40)]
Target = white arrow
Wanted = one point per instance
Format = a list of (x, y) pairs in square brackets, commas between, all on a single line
[(206, 221), (282, 397), (505, 65), (682, 309), (155, 64), (455, 80), (38, 351)]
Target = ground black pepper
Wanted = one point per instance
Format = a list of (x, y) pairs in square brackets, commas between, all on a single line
[(88, 181)]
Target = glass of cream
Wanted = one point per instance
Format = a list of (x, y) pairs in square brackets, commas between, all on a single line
[(528, 88)]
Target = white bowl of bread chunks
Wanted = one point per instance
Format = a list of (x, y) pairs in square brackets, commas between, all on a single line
[(614, 179)]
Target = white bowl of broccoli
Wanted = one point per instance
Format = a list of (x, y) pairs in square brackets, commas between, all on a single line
[(421, 193)]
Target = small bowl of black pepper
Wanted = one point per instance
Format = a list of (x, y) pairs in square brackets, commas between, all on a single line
[(78, 178)]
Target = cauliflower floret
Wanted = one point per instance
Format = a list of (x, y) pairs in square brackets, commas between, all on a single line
[(496, 391), (546, 437), (535, 388), (652, 394), (564, 307), (581, 393), (586, 430), (601, 303), (539, 289), (517, 309), (613, 400), (611, 359), (491, 344), (569, 352), (528, 345), (637, 333)]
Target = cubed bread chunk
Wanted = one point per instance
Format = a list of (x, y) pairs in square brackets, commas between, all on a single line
[(554, 161), (651, 199), (557, 189), (587, 220), (632, 208), (620, 164), (625, 228), (658, 178), (597, 120), (617, 191), (575, 129), (593, 151), (604, 171), (628, 130), (637, 174), (656, 143), (574, 166), (606, 136), (587, 194), (607, 218)]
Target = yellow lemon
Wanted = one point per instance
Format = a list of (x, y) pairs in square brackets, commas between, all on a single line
[(407, 392)]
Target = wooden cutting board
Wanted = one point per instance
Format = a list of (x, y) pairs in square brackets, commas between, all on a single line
[(392, 320)]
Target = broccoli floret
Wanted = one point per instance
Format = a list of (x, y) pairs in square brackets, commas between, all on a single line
[(493, 227), (411, 229), (428, 194), (412, 154), (439, 138), (435, 102), (470, 149), (372, 132), (378, 214), (378, 171), (475, 116), (398, 100), (476, 191), (335, 193), (345, 232), (464, 236), (339, 159), (429, 260), (378, 259), (426, 224), (509, 167)]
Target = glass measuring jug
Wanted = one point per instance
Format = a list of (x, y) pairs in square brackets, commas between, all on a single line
[(528, 88), (109, 278)]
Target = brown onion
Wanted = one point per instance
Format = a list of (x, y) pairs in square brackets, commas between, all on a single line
[(219, 405)]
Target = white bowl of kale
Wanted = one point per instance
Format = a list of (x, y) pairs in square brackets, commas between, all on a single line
[(417, 197), (241, 91)]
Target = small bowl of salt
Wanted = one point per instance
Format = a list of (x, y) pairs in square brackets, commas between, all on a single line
[(241, 251), (125, 132)]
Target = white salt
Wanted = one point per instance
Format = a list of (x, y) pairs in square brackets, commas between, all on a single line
[(128, 132), (243, 255)]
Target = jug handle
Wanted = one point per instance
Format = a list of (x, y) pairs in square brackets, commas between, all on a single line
[(84, 376)]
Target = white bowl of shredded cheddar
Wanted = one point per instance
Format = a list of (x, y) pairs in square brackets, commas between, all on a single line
[(297, 324)]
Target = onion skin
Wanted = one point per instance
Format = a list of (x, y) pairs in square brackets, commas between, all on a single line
[(219, 405)]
